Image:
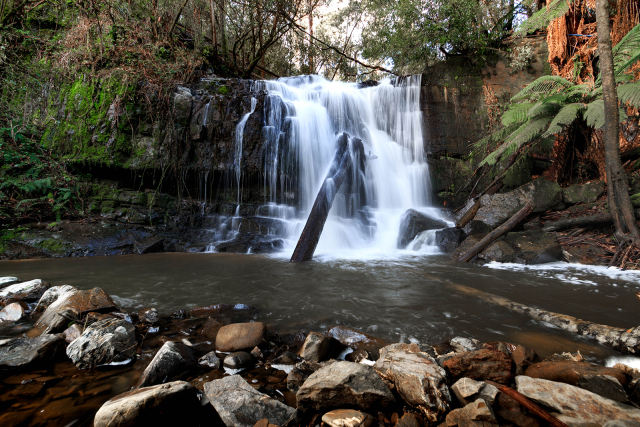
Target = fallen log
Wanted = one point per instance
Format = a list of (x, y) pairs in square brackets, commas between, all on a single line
[(341, 167), (529, 405), (489, 238), (473, 210), (624, 340), (582, 221)]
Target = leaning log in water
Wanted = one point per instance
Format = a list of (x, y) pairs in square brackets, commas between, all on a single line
[(624, 340), (341, 167)]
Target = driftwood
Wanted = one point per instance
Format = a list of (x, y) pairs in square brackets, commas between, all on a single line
[(489, 238), (582, 221), (530, 406), (473, 210), (341, 167), (627, 341)]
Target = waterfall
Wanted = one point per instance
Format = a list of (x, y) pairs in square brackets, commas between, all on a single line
[(237, 158)]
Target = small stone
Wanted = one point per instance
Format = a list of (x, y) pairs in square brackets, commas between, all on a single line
[(462, 345), (12, 312), (347, 418), (238, 360), (72, 333), (464, 388), (210, 360), (409, 420), (171, 362), (240, 336), (256, 353), (604, 385), (148, 315), (523, 357), (318, 347)]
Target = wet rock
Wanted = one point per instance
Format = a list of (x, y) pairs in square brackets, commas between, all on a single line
[(51, 295), (475, 227), (238, 360), (523, 357), (570, 372), (565, 357), (264, 423), (170, 363), (585, 193), (240, 405), (104, 342), (357, 356), (449, 239), (344, 384), (621, 423), (413, 223), (417, 377), (409, 420), (24, 351), (182, 102), (163, 404), (240, 336), (467, 244), (148, 315), (210, 360), (256, 353), (356, 339), (511, 411), (72, 333), (299, 374), (12, 312), (474, 414), (26, 291), (484, 364), (468, 390), (632, 372), (534, 247), (574, 402), (7, 280), (605, 386), (347, 418), (461, 344), (318, 347), (80, 302), (499, 251), (286, 358)]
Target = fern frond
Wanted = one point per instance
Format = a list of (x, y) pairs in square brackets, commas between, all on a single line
[(626, 49), (516, 114), (624, 67), (543, 108), (543, 17), (521, 136), (545, 85), (630, 93), (595, 114), (567, 115), (496, 136)]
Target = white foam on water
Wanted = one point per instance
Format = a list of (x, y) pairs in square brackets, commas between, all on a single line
[(633, 362), (571, 273), (285, 368)]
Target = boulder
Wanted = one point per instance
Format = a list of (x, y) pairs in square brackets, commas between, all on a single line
[(467, 244), (7, 280), (468, 390), (106, 341), (51, 295), (449, 239), (79, 302), (605, 386), (12, 312), (483, 364), (462, 344), (417, 377), (23, 351), (318, 347), (210, 360), (510, 410), (344, 384), (621, 423), (409, 420), (476, 414), (585, 193), (238, 360), (26, 291), (574, 402), (413, 223), (171, 362), (475, 227), (162, 404), (303, 370), (240, 336), (347, 418), (72, 333), (495, 209), (570, 372), (534, 247), (240, 405), (523, 357), (499, 251)]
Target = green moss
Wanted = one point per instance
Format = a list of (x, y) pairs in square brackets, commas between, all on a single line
[(9, 234), (54, 246), (106, 211), (635, 200), (223, 90)]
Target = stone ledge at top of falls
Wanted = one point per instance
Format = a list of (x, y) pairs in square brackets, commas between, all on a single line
[(414, 223)]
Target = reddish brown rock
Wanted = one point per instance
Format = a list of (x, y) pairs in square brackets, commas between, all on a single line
[(484, 364), (510, 410), (523, 357), (211, 327), (570, 372), (240, 336), (409, 420)]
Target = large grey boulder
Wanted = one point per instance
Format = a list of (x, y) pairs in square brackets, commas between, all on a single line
[(448, 239), (417, 377), (173, 360), (525, 247), (163, 404), (240, 405), (24, 351), (497, 208), (106, 341), (26, 291), (344, 384), (575, 403), (585, 193), (413, 223)]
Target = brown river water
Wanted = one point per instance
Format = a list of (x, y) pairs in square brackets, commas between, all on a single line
[(400, 299)]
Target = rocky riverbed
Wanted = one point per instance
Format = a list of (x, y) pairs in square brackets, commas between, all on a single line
[(74, 357)]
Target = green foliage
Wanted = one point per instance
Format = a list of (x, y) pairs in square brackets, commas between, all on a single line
[(544, 16)]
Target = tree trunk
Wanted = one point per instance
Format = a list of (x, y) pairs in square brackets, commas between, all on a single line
[(222, 27), (311, 67), (617, 184), (214, 35)]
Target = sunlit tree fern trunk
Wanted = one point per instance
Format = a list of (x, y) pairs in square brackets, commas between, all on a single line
[(617, 185)]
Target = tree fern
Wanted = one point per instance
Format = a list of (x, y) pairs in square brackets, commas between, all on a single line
[(626, 49), (543, 17), (521, 136), (595, 114), (630, 93), (567, 115), (542, 86), (543, 108), (516, 114)]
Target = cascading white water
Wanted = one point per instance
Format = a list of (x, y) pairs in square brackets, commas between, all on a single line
[(303, 115), (237, 158)]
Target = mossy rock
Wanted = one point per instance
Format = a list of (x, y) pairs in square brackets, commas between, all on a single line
[(54, 246), (585, 193), (132, 197)]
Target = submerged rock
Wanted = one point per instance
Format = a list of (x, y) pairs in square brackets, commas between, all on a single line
[(170, 362), (344, 384), (163, 404), (104, 342), (417, 377), (24, 351), (240, 336), (238, 360), (413, 223), (240, 405), (318, 347), (26, 291)]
